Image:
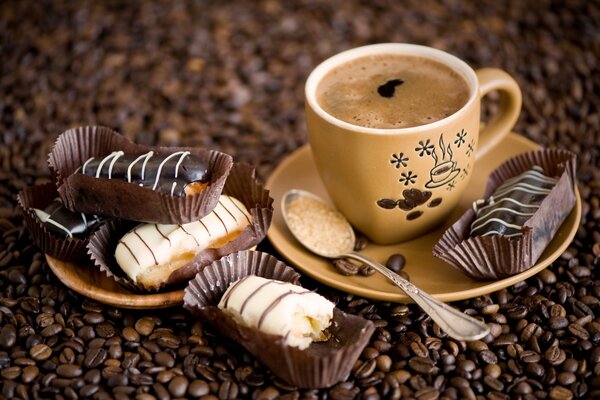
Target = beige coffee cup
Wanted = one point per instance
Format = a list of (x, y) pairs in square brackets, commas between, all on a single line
[(396, 184)]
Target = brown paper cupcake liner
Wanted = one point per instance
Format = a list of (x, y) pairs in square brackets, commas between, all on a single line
[(62, 248), (322, 364), (496, 257), (241, 184), (101, 249), (111, 197)]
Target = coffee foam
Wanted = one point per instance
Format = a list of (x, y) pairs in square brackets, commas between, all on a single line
[(428, 91)]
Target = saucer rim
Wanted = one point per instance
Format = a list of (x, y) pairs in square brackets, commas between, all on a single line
[(486, 288)]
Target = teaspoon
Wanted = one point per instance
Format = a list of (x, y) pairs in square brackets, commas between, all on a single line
[(297, 204)]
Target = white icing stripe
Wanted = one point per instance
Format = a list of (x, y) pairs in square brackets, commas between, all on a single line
[(112, 163), (132, 164), (508, 210), (158, 171), (103, 161), (509, 199), (477, 223), (533, 175), (498, 220), (84, 219), (148, 156), (85, 164), (183, 156), (523, 187), (45, 217), (173, 188), (490, 233)]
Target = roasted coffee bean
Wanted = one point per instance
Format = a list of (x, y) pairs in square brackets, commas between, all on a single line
[(361, 242), (130, 334), (164, 359), (86, 333), (8, 336), (94, 357), (93, 318), (67, 356), (144, 326), (561, 393), (488, 357), (11, 372), (89, 390), (92, 376), (29, 373), (69, 370), (345, 267), (40, 352), (161, 392), (117, 380), (178, 386), (105, 330), (365, 369), (198, 388), (422, 365), (396, 262), (228, 390)]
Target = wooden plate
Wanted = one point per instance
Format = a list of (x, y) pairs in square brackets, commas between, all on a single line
[(433, 275), (88, 281)]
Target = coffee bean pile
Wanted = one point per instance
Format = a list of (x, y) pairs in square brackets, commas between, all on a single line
[(229, 75)]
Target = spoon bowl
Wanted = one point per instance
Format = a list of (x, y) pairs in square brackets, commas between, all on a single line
[(325, 231)]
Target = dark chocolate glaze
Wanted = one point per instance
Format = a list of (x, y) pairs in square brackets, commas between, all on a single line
[(64, 222), (512, 204), (165, 173)]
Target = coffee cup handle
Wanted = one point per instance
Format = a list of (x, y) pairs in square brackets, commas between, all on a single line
[(500, 125)]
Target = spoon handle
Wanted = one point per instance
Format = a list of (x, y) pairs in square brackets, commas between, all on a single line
[(456, 324)]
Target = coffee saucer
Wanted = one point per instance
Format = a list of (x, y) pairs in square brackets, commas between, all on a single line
[(433, 275)]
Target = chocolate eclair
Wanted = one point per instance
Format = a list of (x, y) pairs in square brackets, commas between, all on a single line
[(177, 174), (526, 201), (63, 222), (57, 231), (297, 314), (150, 253), (253, 299), (505, 212), (98, 171)]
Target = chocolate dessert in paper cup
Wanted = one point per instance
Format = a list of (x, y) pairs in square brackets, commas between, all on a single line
[(322, 363), (99, 171), (148, 257), (59, 232), (526, 200)]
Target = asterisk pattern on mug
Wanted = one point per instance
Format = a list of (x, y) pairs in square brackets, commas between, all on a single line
[(460, 138), (471, 147), (399, 160), (408, 178), (424, 148)]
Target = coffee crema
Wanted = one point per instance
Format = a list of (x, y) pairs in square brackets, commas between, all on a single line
[(391, 91)]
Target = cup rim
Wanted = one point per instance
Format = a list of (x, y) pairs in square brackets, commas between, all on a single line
[(455, 63)]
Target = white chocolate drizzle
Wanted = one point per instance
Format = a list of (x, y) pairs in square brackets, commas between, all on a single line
[(516, 200)]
